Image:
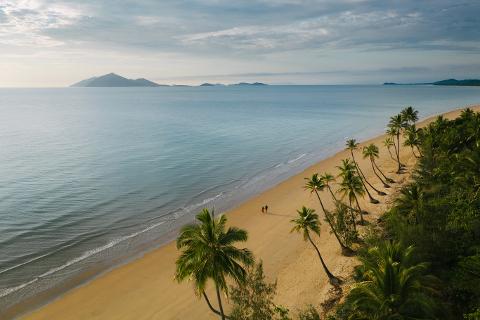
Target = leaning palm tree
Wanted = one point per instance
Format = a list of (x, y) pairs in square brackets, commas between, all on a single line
[(315, 185), (412, 139), (353, 145), (388, 143), (327, 179), (306, 222), (208, 253), (350, 187), (393, 287), (371, 152), (395, 126)]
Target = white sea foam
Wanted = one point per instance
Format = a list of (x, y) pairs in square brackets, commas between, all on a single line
[(83, 256), (297, 158)]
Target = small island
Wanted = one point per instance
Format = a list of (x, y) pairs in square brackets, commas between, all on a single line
[(448, 82), (240, 84), (114, 80)]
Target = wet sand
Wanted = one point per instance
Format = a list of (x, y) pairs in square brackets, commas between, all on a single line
[(145, 288)]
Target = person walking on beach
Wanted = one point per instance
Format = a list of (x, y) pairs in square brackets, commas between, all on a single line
[(266, 209), (263, 209)]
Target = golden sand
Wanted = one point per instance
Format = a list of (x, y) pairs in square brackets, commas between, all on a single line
[(145, 288)]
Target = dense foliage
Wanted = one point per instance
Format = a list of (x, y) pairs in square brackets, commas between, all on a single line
[(253, 298), (424, 261), (438, 214)]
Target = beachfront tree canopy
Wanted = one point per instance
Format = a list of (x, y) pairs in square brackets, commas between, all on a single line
[(209, 253)]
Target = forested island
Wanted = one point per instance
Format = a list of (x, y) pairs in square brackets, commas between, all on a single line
[(448, 82)]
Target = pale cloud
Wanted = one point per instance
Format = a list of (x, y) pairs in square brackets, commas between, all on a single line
[(25, 21), (67, 40), (330, 30)]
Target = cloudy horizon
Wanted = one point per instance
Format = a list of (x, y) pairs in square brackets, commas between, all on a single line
[(56, 43)]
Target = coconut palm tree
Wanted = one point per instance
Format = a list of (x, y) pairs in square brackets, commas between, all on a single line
[(412, 139), (208, 253), (393, 287), (351, 186), (306, 222), (353, 145), (371, 152), (327, 179), (409, 115), (315, 185), (395, 125), (388, 143), (410, 202)]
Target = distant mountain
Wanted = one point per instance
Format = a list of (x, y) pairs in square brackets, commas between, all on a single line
[(448, 82), (454, 82), (114, 80)]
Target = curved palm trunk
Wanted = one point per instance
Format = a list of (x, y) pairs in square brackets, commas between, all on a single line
[(372, 199), (331, 192), (338, 201), (353, 216), (399, 170), (414, 154), (419, 151), (397, 154), (333, 280), (211, 307), (391, 155), (222, 314), (385, 185), (345, 249), (378, 168), (362, 177), (359, 209)]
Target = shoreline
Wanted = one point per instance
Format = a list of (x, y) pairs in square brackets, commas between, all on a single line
[(146, 280)]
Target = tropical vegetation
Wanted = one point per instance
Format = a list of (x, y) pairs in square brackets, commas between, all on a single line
[(422, 259), (208, 253), (425, 261)]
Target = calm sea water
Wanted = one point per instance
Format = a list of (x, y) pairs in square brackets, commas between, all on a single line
[(91, 176)]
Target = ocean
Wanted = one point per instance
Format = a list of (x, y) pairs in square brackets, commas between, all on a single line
[(92, 177)]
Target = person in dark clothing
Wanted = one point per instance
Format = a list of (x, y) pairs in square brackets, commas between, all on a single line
[(266, 209)]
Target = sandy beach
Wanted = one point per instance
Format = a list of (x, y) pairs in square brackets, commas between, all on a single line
[(145, 288)]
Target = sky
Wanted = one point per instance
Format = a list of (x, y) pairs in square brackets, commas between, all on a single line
[(48, 43)]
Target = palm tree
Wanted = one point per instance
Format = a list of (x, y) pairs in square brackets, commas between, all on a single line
[(412, 139), (351, 186), (353, 145), (315, 185), (409, 115), (208, 252), (393, 287), (410, 202), (327, 179), (371, 151), (306, 222), (388, 143), (395, 126)]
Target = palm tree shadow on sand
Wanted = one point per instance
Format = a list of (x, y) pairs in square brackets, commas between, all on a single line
[(279, 215)]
